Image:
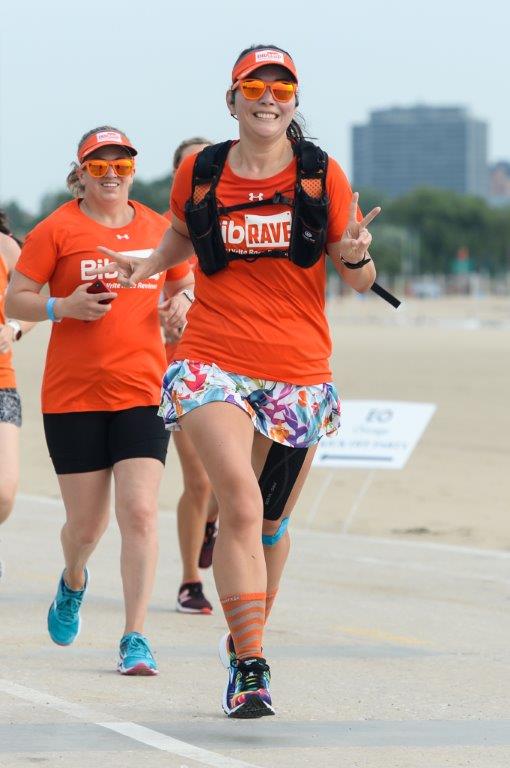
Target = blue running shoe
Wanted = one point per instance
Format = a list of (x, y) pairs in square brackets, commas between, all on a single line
[(64, 621), (136, 656)]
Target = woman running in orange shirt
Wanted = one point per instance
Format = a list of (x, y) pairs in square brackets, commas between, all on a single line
[(101, 384), (197, 510), (10, 403), (252, 386)]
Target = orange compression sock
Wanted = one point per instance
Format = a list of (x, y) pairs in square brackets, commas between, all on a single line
[(270, 598), (245, 618)]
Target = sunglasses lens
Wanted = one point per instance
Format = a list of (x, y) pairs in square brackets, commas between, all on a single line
[(97, 168), (253, 89), (282, 91), (123, 167)]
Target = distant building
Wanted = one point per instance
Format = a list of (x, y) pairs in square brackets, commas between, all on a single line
[(402, 148), (499, 183)]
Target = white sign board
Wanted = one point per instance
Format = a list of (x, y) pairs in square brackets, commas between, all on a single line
[(375, 434)]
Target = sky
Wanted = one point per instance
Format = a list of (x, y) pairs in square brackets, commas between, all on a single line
[(159, 70)]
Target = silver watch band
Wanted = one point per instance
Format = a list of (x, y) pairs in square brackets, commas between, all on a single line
[(16, 327)]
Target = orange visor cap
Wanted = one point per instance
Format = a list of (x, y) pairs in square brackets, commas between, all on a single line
[(262, 58), (104, 139)]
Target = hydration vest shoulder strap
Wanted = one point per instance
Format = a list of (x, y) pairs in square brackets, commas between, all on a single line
[(207, 169), (312, 159), (312, 164)]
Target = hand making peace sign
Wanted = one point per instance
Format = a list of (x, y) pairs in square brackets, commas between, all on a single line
[(356, 239)]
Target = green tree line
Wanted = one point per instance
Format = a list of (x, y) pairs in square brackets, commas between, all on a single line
[(419, 233)]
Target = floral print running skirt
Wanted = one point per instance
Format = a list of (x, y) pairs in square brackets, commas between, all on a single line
[(297, 416)]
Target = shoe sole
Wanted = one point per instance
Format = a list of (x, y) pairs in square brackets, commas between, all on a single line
[(139, 670), (253, 708), (180, 609), (225, 660)]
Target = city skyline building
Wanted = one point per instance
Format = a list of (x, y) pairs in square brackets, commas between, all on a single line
[(499, 183), (402, 148)]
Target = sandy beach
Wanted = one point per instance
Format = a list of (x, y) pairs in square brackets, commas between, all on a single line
[(452, 352)]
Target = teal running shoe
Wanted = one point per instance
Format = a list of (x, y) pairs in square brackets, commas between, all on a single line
[(64, 620), (136, 656)]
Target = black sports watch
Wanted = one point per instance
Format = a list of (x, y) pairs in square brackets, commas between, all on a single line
[(355, 264)]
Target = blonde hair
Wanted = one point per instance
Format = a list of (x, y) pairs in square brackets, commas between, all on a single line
[(74, 184)]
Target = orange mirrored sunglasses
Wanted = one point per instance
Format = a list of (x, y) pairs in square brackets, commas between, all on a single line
[(282, 90), (124, 166)]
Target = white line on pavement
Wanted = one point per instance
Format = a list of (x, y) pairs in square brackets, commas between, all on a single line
[(175, 746), (132, 731), (49, 701)]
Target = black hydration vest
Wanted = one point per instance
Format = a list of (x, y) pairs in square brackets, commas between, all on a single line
[(309, 209), (309, 212)]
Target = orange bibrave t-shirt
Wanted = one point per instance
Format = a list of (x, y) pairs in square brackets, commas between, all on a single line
[(116, 362), (263, 318), (7, 376)]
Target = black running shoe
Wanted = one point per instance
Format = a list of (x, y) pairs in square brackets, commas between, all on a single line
[(205, 558), (250, 698), (191, 599)]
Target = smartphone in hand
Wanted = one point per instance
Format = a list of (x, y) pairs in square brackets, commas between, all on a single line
[(99, 287)]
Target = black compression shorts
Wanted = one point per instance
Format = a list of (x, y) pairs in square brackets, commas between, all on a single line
[(94, 440)]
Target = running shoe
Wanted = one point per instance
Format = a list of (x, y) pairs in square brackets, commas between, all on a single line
[(247, 693), (64, 620), (191, 599), (205, 558), (135, 656), (226, 650), (227, 655)]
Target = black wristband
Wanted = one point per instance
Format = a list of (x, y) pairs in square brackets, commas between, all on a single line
[(355, 264)]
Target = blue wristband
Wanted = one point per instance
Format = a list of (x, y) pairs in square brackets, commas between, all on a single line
[(50, 311)]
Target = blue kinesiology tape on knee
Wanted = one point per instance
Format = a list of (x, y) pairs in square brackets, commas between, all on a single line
[(270, 541), (278, 477)]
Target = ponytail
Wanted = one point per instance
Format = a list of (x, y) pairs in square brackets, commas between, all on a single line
[(74, 185)]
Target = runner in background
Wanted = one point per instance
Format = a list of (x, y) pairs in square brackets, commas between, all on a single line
[(197, 509), (102, 380), (252, 387), (10, 404)]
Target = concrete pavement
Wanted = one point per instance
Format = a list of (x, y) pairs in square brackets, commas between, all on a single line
[(383, 653)]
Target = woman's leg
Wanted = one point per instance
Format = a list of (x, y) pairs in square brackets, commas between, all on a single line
[(223, 435), (192, 508), (277, 550), (136, 505), (9, 463), (86, 497), (212, 509)]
